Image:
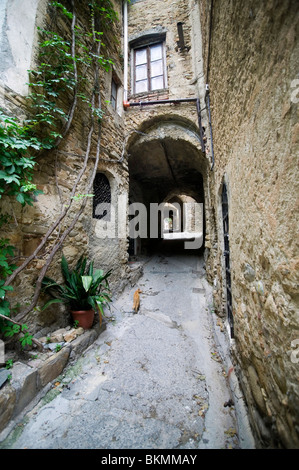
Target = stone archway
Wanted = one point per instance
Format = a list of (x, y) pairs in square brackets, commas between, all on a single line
[(165, 164)]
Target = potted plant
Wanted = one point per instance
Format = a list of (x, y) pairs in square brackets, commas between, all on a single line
[(85, 291)]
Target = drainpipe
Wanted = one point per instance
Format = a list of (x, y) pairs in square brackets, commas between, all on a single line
[(125, 52), (210, 39), (174, 100), (207, 78), (210, 124), (203, 147)]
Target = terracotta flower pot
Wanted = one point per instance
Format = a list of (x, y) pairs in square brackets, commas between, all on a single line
[(84, 317)]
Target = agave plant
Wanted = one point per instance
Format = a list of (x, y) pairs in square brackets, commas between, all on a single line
[(83, 288)]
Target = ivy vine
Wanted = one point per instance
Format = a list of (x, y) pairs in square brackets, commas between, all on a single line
[(64, 61)]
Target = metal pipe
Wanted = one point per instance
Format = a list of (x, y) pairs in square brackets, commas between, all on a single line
[(125, 50), (207, 97), (210, 124)]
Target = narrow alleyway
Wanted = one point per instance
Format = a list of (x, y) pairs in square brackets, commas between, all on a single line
[(152, 380)]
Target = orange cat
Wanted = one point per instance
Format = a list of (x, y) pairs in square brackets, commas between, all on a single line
[(136, 301)]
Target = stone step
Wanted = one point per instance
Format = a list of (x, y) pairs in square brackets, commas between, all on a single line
[(29, 379)]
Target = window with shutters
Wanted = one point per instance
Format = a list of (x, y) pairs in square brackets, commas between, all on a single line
[(149, 68)]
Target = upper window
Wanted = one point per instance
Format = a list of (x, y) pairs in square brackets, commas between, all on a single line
[(149, 68)]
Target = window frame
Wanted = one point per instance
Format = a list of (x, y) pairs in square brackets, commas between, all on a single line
[(114, 87), (148, 47)]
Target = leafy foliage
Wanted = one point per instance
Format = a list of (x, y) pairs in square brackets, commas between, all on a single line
[(83, 287), (16, 163), (62, 71), (60, 76)]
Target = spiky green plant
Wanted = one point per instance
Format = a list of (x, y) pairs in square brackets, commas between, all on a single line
[(83, 289)]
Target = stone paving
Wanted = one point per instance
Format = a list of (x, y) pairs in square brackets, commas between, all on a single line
[(152, 380)]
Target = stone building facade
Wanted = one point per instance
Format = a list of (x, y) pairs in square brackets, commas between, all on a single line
[(200, 105), (251, 63)]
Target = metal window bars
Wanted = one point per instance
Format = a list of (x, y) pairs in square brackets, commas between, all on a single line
[(102, 197)]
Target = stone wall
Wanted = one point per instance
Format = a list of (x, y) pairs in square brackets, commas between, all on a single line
[(184, 66), (57, 170), (17, 34), (246, 51), (171, 125), (252, 67)]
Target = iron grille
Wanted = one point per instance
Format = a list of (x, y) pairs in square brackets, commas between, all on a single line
[(102, 197)]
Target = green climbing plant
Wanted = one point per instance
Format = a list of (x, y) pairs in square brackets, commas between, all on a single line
[(16, 174), (63, 63)]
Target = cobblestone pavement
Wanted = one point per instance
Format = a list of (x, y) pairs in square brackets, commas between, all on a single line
[(152, 380)]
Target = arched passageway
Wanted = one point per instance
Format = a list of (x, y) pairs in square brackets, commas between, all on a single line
[(168, 177)]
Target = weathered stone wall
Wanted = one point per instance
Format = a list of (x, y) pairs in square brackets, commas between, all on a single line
[(250, 56), (185, 79), (58, 170), (252, 67), (184, 67)]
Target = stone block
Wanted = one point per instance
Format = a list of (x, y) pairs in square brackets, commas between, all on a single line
[(73, 334), (35, 229), (56, 337), (7, 405), (53, 366), (249, 273), (24, 382), (4, 374), (82, 342)]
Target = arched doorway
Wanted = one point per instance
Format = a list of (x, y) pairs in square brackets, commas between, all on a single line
[(167, 171)]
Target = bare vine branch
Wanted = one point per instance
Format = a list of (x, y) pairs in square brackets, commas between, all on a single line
[(35, 341), (74, 103), (59, 244), (58, 221)]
